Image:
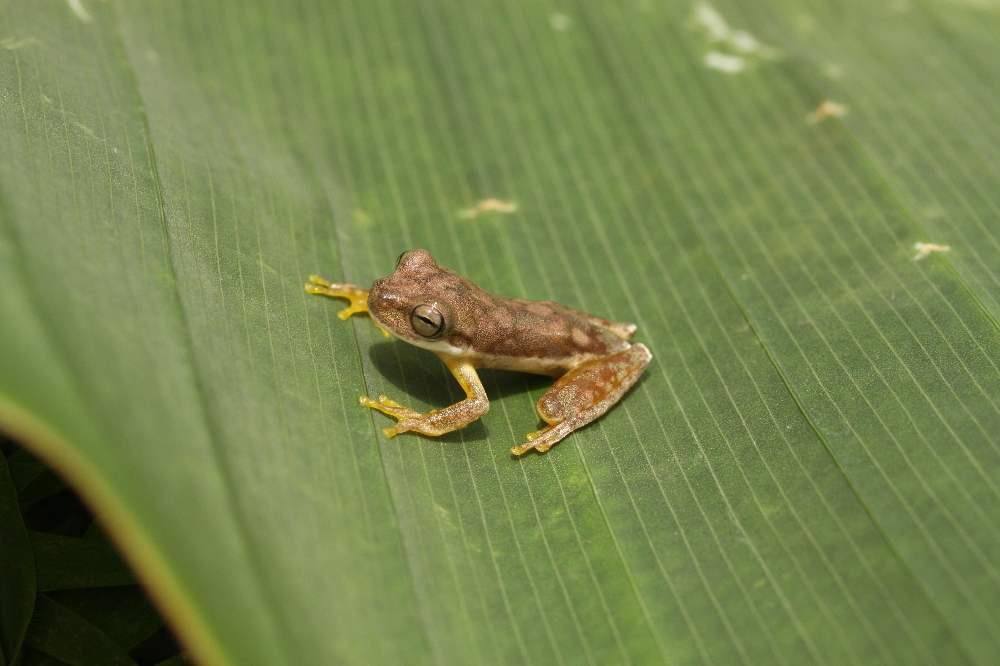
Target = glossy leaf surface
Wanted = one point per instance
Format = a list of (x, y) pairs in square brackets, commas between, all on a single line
[(808, 471)]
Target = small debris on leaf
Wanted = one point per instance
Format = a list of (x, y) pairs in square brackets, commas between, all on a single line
[(489, 205), (923, 249)]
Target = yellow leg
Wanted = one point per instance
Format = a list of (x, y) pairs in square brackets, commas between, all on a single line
[(357, 296), (437, 422)]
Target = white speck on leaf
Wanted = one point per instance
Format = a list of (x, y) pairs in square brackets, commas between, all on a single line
[(559, 22), (743, 41), (488, 205), (826, 110), (711, 19), (80, 11), (731, 64), (923, 249), (730, 45)]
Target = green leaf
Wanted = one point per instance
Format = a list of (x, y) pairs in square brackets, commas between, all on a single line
[(59, 632), (17, 571), (26, 470), (123, 614), (806, 473), (65, 562)]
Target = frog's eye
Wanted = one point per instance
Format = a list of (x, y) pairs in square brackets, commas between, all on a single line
[(427, 320), (400, 257)]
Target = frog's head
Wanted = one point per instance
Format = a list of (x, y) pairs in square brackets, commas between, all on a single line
[(418, 301)]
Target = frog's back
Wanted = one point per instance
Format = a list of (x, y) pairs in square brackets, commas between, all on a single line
[(542, 337)]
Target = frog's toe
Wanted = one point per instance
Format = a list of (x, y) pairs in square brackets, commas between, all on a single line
[(542, 440), (527, 446), (532, 443), (348, 311), (386, 401), (389, 432), (388, 406), (315, 279)]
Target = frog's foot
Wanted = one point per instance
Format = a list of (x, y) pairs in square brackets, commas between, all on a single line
[(584, 394), (542, 440), (437, 422), (408, 419), (392, 408), (357, 296)]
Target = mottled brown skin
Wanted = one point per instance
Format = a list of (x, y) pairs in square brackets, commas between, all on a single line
[(467, 327)]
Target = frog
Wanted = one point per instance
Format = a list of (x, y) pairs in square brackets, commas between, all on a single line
[(434, 308)]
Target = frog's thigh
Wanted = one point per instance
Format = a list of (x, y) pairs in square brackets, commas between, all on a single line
[(593, 383), (585, 393)]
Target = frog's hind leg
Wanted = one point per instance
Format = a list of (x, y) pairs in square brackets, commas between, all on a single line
[(584, 394)]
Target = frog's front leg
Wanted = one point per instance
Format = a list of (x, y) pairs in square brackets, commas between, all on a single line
[(438, 422), (357, 296), (585, 393)]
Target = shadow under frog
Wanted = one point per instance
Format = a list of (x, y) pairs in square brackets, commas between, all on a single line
[(423, 377)]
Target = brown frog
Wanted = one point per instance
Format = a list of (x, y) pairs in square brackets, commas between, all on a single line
[(433, 307)]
